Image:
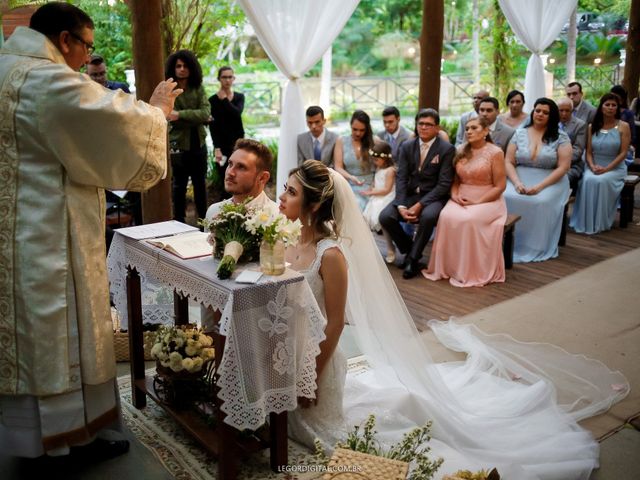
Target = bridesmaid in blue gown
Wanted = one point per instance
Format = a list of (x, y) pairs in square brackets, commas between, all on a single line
[(351, 156), (607, 144), (537, 160)]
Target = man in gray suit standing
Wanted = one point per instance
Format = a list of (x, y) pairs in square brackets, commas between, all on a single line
[(318, 143), (500, 132), (394, 133), (477, 98), (577, 131), (581, 108)]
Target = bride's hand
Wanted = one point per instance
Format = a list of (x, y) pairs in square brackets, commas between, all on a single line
[(304, 402)]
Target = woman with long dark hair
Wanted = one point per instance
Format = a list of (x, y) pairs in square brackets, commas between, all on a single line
[(351, 155), (187, 133), (607, 144), (537, 160)]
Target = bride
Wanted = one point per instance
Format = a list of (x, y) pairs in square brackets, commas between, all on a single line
[(510, 405)]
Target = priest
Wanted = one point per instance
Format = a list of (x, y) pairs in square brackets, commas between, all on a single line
[(64, 140)]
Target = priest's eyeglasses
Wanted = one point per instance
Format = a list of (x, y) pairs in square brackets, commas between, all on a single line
[(90, 47)]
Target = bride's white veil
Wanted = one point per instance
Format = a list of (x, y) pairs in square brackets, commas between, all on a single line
[(508, 403)]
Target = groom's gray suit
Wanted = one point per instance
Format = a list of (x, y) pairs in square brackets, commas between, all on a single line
[(305, 147)]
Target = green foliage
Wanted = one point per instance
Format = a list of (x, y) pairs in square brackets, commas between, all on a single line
[(588, 47), (504, 50), (451, 127), (112, 34), (412, 448), (620, 7)]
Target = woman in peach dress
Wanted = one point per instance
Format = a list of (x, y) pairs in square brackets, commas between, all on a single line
[(468, 245)]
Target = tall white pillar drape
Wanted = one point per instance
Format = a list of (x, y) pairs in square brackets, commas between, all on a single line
[(536, 23), (295, 34)]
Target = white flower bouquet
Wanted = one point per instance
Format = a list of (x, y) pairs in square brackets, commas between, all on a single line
[(182, 349), (271, 227), (234, 241)]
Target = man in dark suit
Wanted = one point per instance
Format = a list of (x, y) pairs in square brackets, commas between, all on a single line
[(423, 183), (577, 131), (394, 133), (500, 133), (581, 108), (318, 143), (97, 70)]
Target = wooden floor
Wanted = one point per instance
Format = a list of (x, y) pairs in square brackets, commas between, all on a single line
[(427, 299)]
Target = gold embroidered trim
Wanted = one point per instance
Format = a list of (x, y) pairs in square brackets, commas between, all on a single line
[(156, 157), (9, 94)]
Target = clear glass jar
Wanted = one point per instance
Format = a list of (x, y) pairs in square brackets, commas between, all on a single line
[(272, 257)]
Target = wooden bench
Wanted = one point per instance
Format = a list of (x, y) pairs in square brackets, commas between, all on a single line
[(507, 239), (562, 241), (627, 199)]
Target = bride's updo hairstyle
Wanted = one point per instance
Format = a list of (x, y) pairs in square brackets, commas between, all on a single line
[(317, 190)]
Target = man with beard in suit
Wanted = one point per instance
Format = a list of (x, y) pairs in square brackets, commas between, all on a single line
[(500, 132)]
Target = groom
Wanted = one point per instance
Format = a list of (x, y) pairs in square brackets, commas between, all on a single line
[(423, 183), (247, 173)]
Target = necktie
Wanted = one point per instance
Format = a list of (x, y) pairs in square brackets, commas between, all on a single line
[(424, 148), (317, 151), (392, 142)]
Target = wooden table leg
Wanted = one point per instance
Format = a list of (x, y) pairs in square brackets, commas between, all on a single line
[(279, 441), (181, 309), (136, 344)]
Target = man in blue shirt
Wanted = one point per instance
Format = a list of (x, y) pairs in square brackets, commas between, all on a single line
[(97, 70)]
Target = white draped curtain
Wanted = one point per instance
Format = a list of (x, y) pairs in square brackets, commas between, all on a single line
[(536, 23), (295, 34)]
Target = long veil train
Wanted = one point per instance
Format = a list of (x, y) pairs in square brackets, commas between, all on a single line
[(510, 404)]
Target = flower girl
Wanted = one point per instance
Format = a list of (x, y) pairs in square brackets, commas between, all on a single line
[(382, 192)]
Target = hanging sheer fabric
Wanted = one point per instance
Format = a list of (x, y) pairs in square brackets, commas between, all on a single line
[(536, 23), (295, 34), (509, 405)]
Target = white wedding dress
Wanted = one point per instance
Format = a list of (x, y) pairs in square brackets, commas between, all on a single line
[(509, 405)]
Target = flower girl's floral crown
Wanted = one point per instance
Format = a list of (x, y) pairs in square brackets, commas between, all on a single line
[(379, 154)]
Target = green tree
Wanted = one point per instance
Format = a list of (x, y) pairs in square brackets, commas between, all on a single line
[(112, 36)]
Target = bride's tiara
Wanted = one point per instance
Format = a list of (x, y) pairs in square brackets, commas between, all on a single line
[(381, 155)]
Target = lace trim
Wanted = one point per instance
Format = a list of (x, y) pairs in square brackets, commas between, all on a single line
[(9, 93), (323, 245), (233, 392)]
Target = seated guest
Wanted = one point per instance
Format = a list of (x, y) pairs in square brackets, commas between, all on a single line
[(247, 173), (468, 245), (576, 129), (394, 133), (381, 193), (318, 143), (537, 161), (423, 182), (515, 117), (351, 155), (500, 133), (581, 108), (626, 114), (477, 97), (607, 144)]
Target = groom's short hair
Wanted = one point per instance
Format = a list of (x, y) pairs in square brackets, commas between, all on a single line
[(263, 154)]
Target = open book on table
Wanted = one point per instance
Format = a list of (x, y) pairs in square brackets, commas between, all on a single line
[(184, 245)]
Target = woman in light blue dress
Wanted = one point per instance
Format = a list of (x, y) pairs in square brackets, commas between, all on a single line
[(607, 144), (351, 156), (537, 160)]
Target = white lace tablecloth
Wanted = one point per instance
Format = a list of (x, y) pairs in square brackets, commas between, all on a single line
[(273, 328)]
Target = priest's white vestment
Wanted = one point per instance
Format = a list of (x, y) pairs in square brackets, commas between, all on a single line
[(63, 140)]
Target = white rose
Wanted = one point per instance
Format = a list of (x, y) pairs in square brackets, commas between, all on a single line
[(191, 350), (197, 364), (207, 353), (179, 342), (187, 364), (175, 361), (156, 350)]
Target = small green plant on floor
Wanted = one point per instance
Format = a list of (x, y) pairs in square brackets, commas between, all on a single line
[(411, 449)]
